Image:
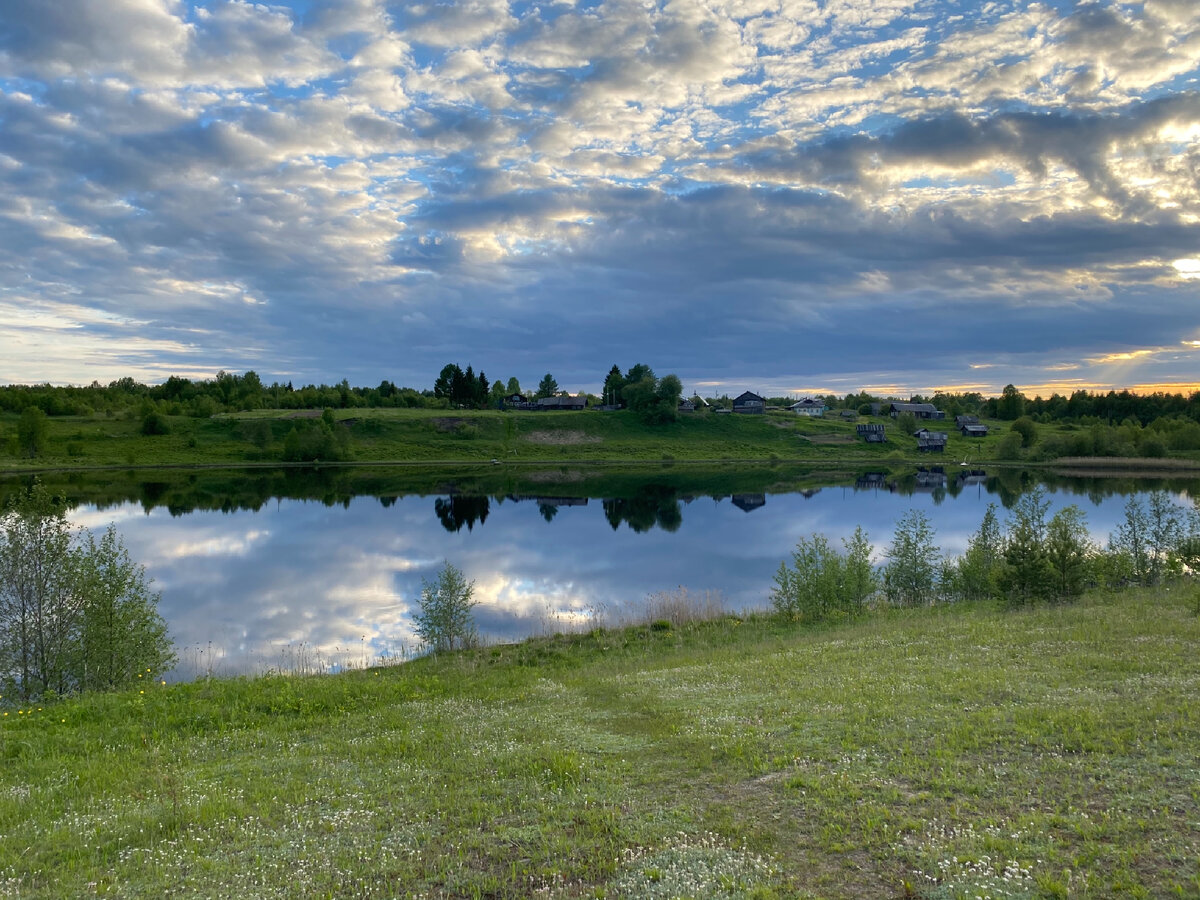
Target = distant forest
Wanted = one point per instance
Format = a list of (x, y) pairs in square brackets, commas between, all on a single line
[(236, 393)]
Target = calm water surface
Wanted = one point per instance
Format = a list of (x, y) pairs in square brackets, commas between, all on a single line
[(301, 583)]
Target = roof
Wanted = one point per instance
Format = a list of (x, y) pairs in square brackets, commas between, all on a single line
[(748, 397), (914, 408), (931, 438), (553, 402), (808, 403)]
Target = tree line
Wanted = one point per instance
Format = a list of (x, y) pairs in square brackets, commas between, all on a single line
[(1031, 557), (635, 388)]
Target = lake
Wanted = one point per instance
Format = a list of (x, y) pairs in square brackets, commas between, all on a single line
[(301, 572)]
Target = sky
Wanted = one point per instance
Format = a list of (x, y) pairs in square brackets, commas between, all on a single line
[(787, 196)]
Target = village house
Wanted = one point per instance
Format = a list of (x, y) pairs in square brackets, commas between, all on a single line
[(518, 401), (975, 431), (562, 403), (920, 410), (872, 434), (750, 403), (807, 406), (931, 441)]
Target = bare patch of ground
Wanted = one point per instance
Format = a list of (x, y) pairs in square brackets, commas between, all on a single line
[(562, 438), (832, 438), (447, 423), (305, 414)]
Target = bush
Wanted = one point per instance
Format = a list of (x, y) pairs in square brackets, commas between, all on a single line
[(1026, 428), (154, 423)]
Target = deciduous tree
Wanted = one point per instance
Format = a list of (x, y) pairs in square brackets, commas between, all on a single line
[(444, 620)]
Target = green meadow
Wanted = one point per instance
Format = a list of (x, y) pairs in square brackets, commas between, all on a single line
[(951, 752), (515, 438)]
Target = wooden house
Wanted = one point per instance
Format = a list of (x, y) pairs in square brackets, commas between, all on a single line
[(975, 431), (872, 434), (686, 405), (931, 441), (960, 421), (929, 480), (749, 403), (562, 403), (749, 502), (807, 406), (920, 410)]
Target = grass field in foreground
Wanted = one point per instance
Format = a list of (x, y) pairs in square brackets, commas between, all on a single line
[(940, 753)]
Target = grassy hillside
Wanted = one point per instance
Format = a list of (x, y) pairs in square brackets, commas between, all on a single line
[(953, 752), (442, 436)]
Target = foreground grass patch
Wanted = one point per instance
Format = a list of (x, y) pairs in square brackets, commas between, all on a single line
[(934, 753)]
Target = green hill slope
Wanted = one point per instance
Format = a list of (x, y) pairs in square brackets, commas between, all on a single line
[(955, 752)]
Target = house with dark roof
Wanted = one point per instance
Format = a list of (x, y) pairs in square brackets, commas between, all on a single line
[(931, 441), (920, 410), (872, 434), (562, 403), (808, 406), (518, 401), (749, 502), (960, 421), (975, 431), (750, 403)]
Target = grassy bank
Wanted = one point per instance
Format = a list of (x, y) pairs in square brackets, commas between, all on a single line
[(512, 438), (954, 752)]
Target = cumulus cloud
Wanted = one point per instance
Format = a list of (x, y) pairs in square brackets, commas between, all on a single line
[(205, 185)]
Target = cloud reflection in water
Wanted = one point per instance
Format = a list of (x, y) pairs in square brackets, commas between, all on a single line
[(258, 589)]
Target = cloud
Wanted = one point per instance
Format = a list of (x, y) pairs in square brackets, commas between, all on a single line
[(235, 185)]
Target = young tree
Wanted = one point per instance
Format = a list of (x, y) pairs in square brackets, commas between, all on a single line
[(444, 620), (1129, 545), (121, 633), (1026, 574), (810, 590), (860, 579), (37, 605), (976, 569), (1068, 552), (1164, 535), (909, 576), (75, 614)]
